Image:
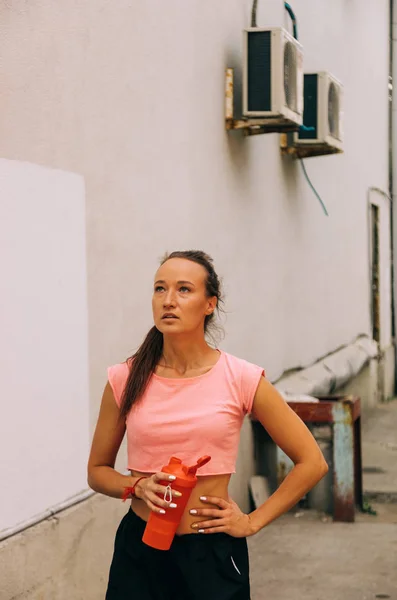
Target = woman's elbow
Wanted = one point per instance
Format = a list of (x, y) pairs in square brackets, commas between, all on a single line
[(90, 482), (316, 468), (91, 479), (320, 467)]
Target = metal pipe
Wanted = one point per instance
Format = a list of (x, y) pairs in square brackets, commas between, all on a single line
[(51, 512), (253, 13), (393, 159)]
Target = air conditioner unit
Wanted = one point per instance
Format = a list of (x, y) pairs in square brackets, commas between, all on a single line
[(272, 75), (322, 113)]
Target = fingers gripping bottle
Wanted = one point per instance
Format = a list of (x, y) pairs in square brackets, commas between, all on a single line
[(160, 529)]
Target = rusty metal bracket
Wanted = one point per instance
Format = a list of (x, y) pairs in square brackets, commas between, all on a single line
[(251, 126), (289, 148)]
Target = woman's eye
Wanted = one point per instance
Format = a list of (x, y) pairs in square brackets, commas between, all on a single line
[(184, 289), (158, 288)]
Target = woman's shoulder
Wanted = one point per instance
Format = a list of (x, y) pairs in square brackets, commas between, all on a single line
[(117, 377), (118, 374), (119, 369), (246, 376), (237, 362)]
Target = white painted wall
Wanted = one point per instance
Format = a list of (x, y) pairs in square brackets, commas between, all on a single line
[(131, 96), (44, 403)]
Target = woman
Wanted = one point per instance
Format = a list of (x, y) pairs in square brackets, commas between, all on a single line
[(179, 396)]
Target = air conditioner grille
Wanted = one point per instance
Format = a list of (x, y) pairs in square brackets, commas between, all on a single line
[(259, 71), (290, 76), (333, 110), (310, 110)]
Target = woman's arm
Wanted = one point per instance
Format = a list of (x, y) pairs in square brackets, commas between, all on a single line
[(109, 433), (102, 476), (289, 433)]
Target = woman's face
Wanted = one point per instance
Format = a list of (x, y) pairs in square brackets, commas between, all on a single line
[(180, 303)]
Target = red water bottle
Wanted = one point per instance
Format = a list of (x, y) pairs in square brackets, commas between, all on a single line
[(160, 529)]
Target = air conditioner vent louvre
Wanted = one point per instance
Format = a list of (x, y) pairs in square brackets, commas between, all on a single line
[(272, 75)]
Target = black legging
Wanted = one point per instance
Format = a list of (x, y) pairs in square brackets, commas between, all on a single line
[(197, 566)]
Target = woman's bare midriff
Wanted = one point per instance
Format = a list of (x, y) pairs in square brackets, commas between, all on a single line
[(208, 485)]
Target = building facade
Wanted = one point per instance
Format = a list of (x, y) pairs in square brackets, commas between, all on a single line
[(112, 138)]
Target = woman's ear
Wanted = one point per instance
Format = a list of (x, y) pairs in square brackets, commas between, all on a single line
[(212, 302)]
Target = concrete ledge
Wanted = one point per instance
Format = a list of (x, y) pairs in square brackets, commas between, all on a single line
[(65, 557)]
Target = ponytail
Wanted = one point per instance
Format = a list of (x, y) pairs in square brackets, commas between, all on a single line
[(143, 364)]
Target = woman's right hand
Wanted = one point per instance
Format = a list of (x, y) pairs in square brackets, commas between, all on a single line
[(149, 488)]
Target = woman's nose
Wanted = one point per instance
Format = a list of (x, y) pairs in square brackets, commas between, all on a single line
[(169, 298)]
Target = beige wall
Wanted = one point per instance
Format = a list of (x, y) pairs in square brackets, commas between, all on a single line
[(131, 98)]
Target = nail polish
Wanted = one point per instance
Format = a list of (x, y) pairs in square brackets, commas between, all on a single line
[(193, 511), (172, 477), (201, 531), (172, 505), (162, 511), (203, 498)]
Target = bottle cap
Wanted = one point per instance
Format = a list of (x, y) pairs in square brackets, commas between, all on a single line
[(200, 463), (176, 467)]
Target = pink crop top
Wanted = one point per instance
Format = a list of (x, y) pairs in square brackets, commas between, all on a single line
[(189, 417)]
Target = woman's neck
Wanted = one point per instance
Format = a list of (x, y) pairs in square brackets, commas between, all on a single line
[(185, 355)]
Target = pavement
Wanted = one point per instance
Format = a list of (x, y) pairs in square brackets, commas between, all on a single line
[(380, 452), (304, 555)]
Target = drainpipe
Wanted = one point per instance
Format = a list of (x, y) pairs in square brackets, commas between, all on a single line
[(393, 166)]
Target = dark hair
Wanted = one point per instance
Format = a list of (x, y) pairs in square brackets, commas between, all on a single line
[(146, 358)]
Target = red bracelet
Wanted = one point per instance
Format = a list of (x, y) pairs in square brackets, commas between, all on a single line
[(129, 492)]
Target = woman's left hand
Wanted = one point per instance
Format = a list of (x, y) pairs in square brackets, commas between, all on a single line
[(226, 518)]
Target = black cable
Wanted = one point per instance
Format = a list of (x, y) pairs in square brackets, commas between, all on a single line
[(313, 188), (291, 13), (295, 29)]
